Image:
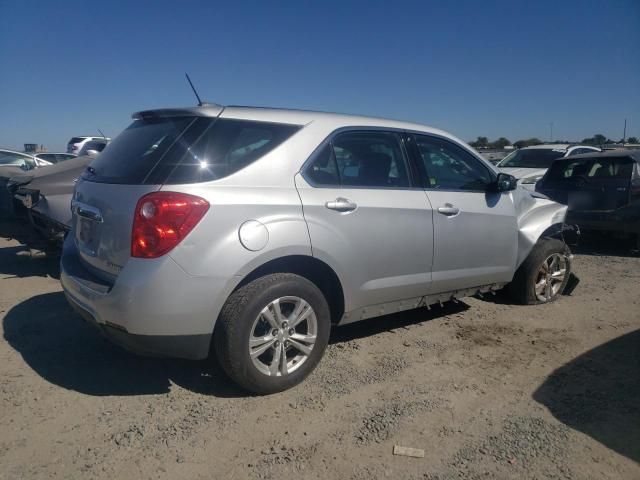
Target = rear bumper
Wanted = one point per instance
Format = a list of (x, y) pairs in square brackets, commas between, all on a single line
[(193, 347), (153, 308)]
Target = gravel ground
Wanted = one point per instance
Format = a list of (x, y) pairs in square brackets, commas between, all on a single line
[(487, 389)]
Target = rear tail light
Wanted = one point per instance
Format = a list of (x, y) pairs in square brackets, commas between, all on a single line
[(162, 220)]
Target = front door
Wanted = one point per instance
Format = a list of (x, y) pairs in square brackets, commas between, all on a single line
[(475, 229)]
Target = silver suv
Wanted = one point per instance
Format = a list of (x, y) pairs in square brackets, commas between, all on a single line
[(253, 231)]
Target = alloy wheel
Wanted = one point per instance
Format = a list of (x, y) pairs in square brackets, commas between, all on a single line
[(283, 336), (550, 277)]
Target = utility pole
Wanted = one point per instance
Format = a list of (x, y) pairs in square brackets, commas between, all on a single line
[(551, 131), (624, 134)]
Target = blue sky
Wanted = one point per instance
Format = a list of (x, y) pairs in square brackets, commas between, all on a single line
[(491, 68)]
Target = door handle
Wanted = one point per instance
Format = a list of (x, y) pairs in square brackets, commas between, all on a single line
[(341, 205), (449, 210)]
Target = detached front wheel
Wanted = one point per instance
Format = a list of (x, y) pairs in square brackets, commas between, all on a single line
[(544, 274)]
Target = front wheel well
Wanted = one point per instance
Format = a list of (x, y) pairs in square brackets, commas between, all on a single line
[(314, 270), (569, 234)]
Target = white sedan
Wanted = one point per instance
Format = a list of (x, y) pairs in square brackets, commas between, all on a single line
[(529, 164)]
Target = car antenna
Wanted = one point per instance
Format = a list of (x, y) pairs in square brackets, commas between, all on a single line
[(200, 102), (194, 90), (103, 135)]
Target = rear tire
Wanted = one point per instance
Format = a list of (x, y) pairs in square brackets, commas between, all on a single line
[(272, 332), (543, 275)]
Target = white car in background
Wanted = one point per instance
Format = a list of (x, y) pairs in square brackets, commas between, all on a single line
[(93, 148), (22, 161), (76, 143), (529, 164)]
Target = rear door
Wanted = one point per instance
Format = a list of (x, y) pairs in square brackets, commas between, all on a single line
[(367, 219), (475, 228)]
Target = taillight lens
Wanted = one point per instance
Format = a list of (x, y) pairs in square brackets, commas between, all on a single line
[(162, 220)]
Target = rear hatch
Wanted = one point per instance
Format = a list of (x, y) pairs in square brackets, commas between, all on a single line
[(592, 184), (134, 164), (163, 147), (71, 146)]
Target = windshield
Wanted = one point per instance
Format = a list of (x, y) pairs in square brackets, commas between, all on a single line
[(93, 145), (531, 158)]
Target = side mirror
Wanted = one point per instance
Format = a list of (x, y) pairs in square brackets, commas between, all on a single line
[(505, 182), (92, 153)]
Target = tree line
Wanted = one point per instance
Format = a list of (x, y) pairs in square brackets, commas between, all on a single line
[(500, 143)]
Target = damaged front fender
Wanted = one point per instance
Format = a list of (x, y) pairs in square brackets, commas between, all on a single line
[(536, 215)]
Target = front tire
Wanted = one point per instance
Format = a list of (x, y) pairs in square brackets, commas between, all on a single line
[(543, 275), (272, 332)]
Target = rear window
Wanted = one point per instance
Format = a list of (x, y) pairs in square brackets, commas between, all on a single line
[(185, 150), (93, 145), (531, 158), (592, 168)]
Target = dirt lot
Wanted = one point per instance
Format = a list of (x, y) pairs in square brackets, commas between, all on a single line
[(487, 389)]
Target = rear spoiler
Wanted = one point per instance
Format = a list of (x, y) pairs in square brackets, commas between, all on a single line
[(206, 110)]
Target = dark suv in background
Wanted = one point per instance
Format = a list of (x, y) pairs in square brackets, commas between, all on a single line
[(602, 190)]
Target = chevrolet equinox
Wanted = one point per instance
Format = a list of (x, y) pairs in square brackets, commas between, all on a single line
[(250, 232)]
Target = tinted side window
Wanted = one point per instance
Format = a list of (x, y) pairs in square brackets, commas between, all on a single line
[(225, 147), (370, 159), (185, 150), (450, 167)]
